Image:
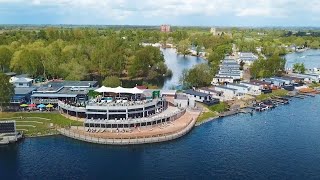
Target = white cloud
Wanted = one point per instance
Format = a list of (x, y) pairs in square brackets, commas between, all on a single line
[(126, 9)]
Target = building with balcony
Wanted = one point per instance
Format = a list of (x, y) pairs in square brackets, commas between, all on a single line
[(122, 108)]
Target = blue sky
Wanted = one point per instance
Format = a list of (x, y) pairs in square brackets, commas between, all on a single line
[(155, 12)]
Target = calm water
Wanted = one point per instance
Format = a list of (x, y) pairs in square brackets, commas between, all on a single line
[(177, 63), (278, 144), (310, 58)]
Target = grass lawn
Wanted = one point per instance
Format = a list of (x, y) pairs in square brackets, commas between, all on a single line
[(206, 115), (278, 92), (38, 123), (314, 85)]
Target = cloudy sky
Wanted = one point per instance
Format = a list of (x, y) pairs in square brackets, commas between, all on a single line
[(155, 12)]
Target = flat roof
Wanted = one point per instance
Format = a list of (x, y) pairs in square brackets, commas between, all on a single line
[(68, 90), (250, 83), (225, 87), (75, 83), (210, 90), (220, 77), (196, 93), (238, 85), (22, 80), (23, 91), (51, 95), (50, 87)]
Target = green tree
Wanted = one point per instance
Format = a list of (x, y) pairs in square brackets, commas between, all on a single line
[(299, 68), (5, 58), (183, 47), (198, 76), (6, 90), (112, 81)]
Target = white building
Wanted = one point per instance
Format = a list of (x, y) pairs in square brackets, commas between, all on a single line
[(306, 77), (247, 57), (241, 89), (254, 89), (212, 92), (228, 93), (201, 97), (228, 73), (21, 82)]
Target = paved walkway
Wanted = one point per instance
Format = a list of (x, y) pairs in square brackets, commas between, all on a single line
[(156, 130)]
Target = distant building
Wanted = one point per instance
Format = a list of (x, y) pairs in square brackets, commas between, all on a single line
[(165, 28), (214, 32)]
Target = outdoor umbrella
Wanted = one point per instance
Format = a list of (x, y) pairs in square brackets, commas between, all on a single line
[(49, 106), (41, 106), (32, 105), (24, 105)]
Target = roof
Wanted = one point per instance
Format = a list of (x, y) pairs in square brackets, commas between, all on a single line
[(259, 82), (79, 83), (196, 93), (22, 80), (225, 87), (237, 85), (168, 92), (220, 77), (50, 87), (73, 83), (119, 89), (250, 84), (10, 73), (23, 91), (210, 90), (51, 95)]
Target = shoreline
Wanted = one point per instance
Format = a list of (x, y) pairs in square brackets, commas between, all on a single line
[(233, 114)]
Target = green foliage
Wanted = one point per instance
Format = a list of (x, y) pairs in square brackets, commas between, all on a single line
[(205, 116), (82, 54), (183, 47), (6, 90), (221, 107), (267, 68), (198, 76), (111, 81), (5, 58), (299, 68)]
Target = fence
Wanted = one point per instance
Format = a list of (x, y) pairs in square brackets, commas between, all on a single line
[(133, 140)]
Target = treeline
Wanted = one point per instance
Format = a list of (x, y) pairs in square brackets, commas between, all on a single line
[(82, 54)]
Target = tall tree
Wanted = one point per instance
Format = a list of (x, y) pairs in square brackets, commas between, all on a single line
[(5, 58), (183, 47), (6, 90)]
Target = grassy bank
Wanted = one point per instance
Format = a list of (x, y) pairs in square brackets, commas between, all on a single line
[(278, 92), (34, 124), (212, 111), (205, 116)]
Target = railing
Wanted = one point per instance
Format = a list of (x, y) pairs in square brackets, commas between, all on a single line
[(40, 101), (131, 140), (129, 105), (71, 108), (173, 116)]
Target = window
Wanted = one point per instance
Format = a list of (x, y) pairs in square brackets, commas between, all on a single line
[(20, 84)]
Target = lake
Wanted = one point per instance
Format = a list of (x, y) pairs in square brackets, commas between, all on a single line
[(279, 144), (310, 58), (177, 63)]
